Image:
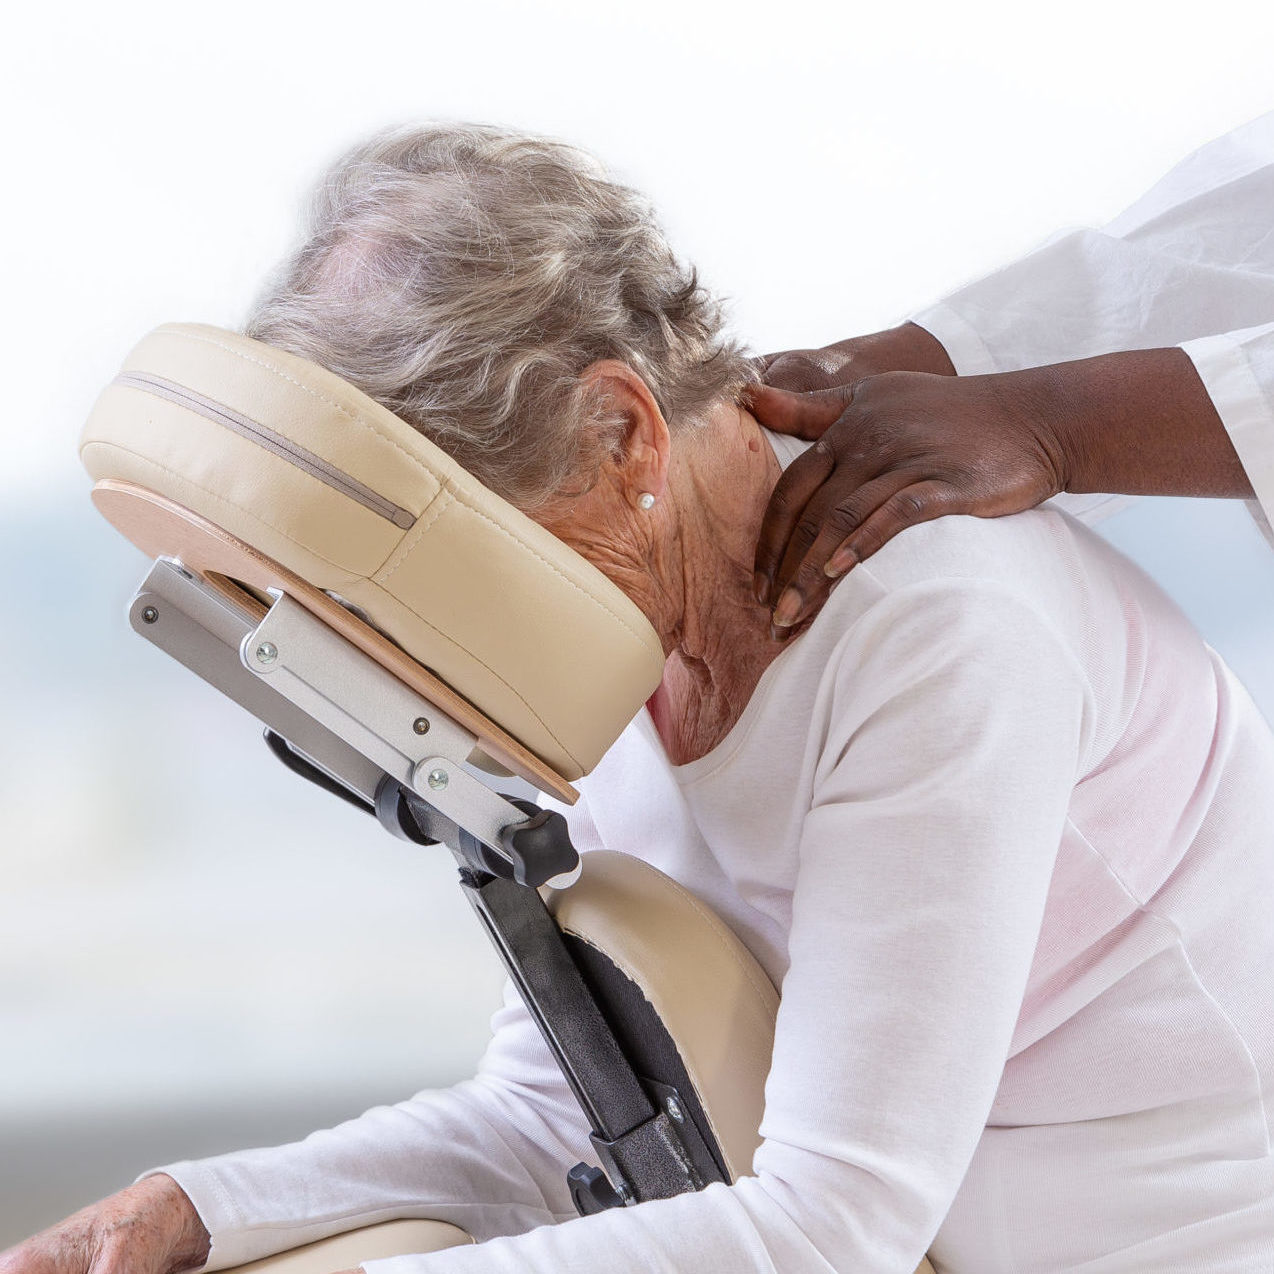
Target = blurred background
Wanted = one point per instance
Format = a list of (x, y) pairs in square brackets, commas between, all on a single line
[(197, 952)]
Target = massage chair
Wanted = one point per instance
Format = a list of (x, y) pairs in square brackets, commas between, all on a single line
[(419, 648)]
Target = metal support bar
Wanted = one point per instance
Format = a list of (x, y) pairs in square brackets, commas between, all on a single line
[(348, 692), (530, 945), (643, 1149), (203, 629)]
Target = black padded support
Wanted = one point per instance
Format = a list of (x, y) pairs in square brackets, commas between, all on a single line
[(650, 1049), (615, 1053), (531, 946)]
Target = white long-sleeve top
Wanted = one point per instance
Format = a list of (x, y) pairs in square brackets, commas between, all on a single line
[(1002, 828), (1191, 263)]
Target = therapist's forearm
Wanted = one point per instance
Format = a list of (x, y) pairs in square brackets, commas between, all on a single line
[(1138, 422)]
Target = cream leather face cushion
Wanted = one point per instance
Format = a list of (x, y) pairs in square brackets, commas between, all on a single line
[(311, 472)]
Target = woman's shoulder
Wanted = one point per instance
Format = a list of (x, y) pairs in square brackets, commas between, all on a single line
[(1023, 552), (984, 586)]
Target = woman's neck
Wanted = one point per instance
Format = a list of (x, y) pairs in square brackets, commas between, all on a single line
[(688, 564), (716, 634)]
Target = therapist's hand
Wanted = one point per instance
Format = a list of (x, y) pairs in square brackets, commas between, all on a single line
[(893, 450), (900, 448), (906, 348), (148, 1228)]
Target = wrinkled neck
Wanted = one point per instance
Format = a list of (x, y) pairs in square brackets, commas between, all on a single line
[(715, 633), (687, 562)]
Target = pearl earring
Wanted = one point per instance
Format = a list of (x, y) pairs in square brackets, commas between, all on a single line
[(646, 500)]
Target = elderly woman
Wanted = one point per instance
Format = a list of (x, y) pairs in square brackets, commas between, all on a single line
[(997, 821)]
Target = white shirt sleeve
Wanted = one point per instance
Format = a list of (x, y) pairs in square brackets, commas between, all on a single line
[(956, 732), (1191, 263), (489, 1155), (1237, 369)]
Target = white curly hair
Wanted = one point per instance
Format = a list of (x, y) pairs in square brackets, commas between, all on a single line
[(464, 276)]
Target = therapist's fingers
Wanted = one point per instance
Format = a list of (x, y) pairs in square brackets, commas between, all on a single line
[(827, 524), (802, 478), (802, 371), (905, 348), (919, 502), (804, 415)]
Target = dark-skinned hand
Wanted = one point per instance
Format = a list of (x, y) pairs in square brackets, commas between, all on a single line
[(893, 449), (902, 446), (906, 348)]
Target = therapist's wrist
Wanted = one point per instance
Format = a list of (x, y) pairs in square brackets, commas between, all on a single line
[(1137, 422)]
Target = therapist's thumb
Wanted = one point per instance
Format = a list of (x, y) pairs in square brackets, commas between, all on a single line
[(806, 416)]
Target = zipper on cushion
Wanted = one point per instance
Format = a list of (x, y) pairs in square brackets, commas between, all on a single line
[(280, 446)]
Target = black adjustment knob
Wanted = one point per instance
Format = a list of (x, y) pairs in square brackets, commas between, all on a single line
[(539, 847), (591, 1192)]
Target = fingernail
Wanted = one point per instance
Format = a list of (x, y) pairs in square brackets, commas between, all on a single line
[(760, 587), (839, 563), (789, 606), (779, 634)]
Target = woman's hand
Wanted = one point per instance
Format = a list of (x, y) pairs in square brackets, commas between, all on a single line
[(893, 450), (149, 1228), (906, 348)]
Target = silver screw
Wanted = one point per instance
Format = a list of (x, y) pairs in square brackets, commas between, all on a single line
[(267, 652), (420, 725), (437, 779), (673, 1107), (625, 1192), (149, 615)]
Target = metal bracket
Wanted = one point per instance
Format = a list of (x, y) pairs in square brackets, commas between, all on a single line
[(335, 706), (664, 1156), (652, 1154), (203, 629), (402, 733)]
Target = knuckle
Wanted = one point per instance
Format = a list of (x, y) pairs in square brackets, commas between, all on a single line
[(796, 371), (872, 535), (810, 581), (866, 390), (909, 505), (843, 519), (781, 498), (942, 500), (806, 532)]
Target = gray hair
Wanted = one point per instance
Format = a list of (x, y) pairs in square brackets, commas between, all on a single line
[(464, 276)]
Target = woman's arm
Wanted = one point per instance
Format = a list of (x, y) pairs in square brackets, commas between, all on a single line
[(954, 739), (151, 1227), (948, 755), (489, 1155)]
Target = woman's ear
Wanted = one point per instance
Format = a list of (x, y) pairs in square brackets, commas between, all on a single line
[(641, 465)]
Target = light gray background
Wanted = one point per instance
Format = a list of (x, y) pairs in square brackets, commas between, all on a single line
[(197, 952)]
